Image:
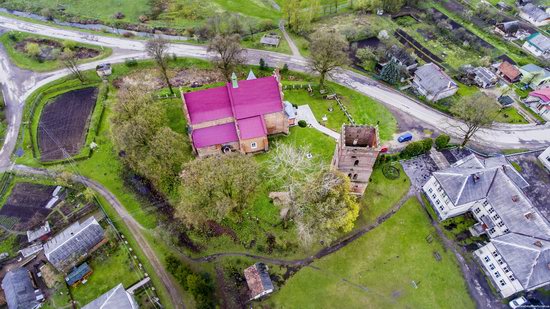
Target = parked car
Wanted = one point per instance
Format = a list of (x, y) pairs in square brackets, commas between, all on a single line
[(518, 302), (405, 137)]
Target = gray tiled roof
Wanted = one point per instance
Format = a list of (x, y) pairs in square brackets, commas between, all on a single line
[(527, 257), (19, 290), (485, 74), (541, 41), (116, 298), (433, 79), (535, 12)]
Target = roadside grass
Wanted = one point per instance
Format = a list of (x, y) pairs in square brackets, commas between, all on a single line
[(110, 267), (378, 271), (253, 41), (530, 111), (513, 151), (510, 115), (27, 62), (59, 298), (381, 194)]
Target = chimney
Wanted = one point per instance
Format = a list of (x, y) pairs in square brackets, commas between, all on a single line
[(475, 177), (234, 81), (538, 243)]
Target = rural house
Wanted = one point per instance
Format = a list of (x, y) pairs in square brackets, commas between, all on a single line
[(401, 57), (78, 274), (534, 15), (508, 72), (73, 243), (484, 77), (270, 39), (539, 45), (431, 82), (539, 102), (236, 117), (20, 291), (117, 298), (491, 189), (356, 153), (511, 30), (535, 76), (41, 233), (544, 158), (258, 281)]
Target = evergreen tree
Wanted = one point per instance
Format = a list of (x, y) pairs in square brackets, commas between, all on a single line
[(391, 73)]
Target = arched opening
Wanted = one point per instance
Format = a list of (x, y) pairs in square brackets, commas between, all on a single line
[(354, 176), (356, 163)]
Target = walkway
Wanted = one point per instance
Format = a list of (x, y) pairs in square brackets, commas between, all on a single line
[(295, 50), (305, 113)]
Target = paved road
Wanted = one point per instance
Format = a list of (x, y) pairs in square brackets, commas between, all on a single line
[(135, 228)]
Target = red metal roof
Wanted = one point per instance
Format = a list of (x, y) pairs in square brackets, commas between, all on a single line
[(208, 104), (543, 94), (215, 135), (252, 127), (509, 70)]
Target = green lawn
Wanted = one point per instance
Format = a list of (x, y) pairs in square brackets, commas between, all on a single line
[(510, 115), (25, 61), (378, 270), (254, 42), (109, 269)]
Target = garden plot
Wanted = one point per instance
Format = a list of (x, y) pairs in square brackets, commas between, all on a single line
[(50, 50), (64, 122), (26, 206)]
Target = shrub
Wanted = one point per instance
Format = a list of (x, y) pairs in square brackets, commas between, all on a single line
[(33, 49), (427, 144), (302, 123), (69, 44), (130, 62), (285, 68), (119, 15), (263, 65), (442, 141), (417, 148), (128, 34)]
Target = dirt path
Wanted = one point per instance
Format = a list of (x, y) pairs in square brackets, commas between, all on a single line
[(295, 50), (477, 286), (135, 228)]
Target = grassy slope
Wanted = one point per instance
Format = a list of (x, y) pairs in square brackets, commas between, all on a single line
[(377, 271)]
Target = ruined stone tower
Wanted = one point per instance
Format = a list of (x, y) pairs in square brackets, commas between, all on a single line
[(356, 153)]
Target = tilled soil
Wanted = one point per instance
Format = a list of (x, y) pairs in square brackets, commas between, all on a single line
[(64, 122), (27, 203)]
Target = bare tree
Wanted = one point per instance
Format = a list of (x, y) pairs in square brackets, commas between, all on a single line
[(157, 49), (70, 61), (328, 51), (476, 112), (229, 53)]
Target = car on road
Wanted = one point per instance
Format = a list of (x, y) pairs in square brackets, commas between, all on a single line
[(518, 302), (405, 137)]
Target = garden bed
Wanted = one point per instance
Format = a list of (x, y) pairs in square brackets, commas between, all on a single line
[(25, 206), (64, 122)]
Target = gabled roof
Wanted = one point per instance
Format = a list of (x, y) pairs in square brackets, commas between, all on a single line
[(19, 290), (77, 273), (534, 12), (509, 26), (215, 135), (252, 127), (509, 70), (402, 55), (433, 79), (116, 298), (485, 75), (543, 94), (528, 258), (208, 104), (531, 68), (539, 41), (258, 279)]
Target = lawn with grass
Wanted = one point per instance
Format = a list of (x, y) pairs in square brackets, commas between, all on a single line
[(378, 271), (26, 61), (510, 115), (110, 266), (253, 41)]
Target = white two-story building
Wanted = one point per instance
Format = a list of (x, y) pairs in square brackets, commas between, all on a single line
[(491, 190)]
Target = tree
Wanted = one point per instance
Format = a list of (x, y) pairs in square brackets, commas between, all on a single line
[(328, 51), (229, 53), (442, 141), (33, 50), (157, 49), (215, 187), (391, 73), (300, 13), (476, 112), (325, 208), (70, 61)]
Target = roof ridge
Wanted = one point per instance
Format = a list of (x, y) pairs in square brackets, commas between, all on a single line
[(535, 262), (112, 292), (461, 190), (492, 182)]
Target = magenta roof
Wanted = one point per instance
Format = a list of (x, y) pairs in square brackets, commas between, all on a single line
[(543, 94), (252, 98), (208, 104), (216, 135), (252, 127)]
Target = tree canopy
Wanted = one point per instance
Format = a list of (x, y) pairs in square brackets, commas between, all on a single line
[(476, 112), (328, 51), (229, 53)]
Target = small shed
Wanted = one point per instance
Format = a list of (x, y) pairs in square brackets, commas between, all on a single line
[(104, 69), (271, 39), (78, 274), (257, 278), (505, 101)]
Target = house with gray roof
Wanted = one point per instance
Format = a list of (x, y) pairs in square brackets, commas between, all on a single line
[(535, 76), (73, 243), (484, 78), (258, 280), (491, 189), (534, 15), (19, 290), (538, 44), (117, 298), (430, 81)]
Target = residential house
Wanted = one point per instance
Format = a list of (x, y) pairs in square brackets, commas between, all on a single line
[(539, 45), (539, 102), (291, 112), (356, 153), (535, 76), (534, 15), (544, 158), (505, 101), (431, 82), (104, 69), (401, 57), (236, 117), (491, 189), (73, 243), (258, 281), (117, 298), (20, 291), (270, 39), (41, 233), (508, 72), (484, 78), (78, 274), (508, 29)]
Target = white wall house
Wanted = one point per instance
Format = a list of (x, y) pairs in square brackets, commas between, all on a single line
[(431, 82), (539, 45), (518, 255), (544, 158)]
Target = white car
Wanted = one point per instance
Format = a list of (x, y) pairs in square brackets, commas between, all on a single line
[(518, 302)]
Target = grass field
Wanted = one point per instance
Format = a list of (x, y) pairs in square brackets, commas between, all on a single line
[(24, 61), (378, 270)]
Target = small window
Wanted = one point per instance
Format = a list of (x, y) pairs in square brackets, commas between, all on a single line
[(485, 203), (437, 202), (502, 282), (496, 217), (487, 259), (431, 190), (500, 224), (492, 230), (492, 266), (433, 195), (497, 274), (494, 253), (511, 277), (491, 210), (354, 176), (441, 208), (253, 145), (506, 231), (477, 210), (356, 163)]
